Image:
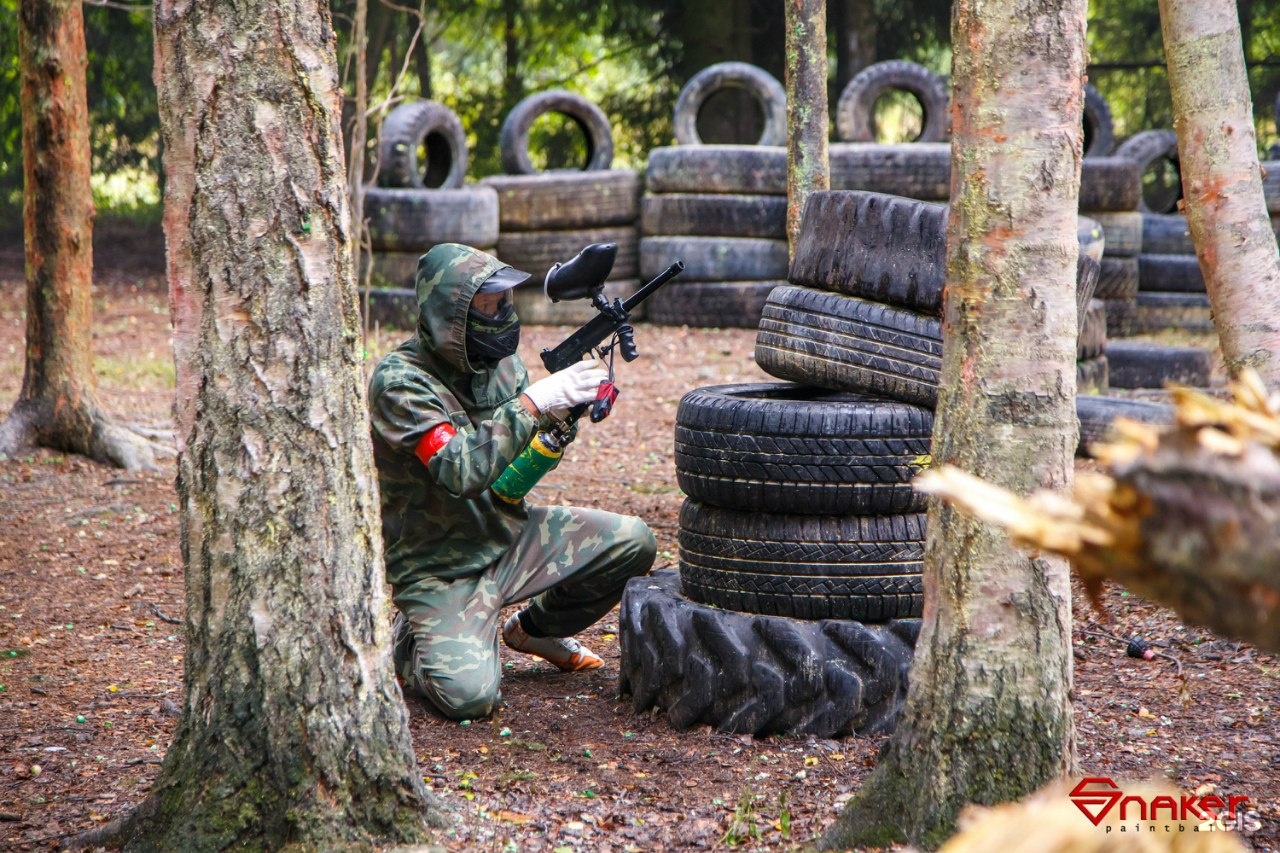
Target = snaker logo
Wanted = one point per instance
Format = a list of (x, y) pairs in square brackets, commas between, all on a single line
[(1096, 796), (1101, 799)]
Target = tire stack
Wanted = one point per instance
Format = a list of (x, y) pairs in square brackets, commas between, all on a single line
[(546, 218), (719, 208), (862, 311), (420, 200), (1109, 195), (801, 545), (1171, 285)]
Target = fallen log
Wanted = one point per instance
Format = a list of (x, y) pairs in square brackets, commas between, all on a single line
[(1187, 515)]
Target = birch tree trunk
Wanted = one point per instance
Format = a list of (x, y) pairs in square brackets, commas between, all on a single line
[(293, 733), (988, 714), (808, 167), (1221, 181), (57, 407)]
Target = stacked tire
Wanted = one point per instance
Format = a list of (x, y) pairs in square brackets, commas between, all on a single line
[(722, 209), (421, 199), (862, 313), (547, 217), (1171, 284), (801, 545)]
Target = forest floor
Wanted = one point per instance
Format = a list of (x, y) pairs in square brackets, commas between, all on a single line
[(91, 643)]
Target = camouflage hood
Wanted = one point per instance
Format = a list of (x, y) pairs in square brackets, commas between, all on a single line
[(448, 277)]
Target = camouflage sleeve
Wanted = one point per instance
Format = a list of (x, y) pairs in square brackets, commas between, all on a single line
[(474, 458), (403, 413)]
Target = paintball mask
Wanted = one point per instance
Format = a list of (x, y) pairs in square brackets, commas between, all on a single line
[(493, 329)]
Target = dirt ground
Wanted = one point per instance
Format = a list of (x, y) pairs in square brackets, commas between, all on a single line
[(91, 645)]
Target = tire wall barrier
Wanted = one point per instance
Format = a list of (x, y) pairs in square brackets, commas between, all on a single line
[(419, 200), (546, 218)]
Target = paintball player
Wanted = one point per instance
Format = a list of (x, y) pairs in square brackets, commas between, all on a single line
[(451, 408)]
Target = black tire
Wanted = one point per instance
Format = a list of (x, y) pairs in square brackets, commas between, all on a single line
[(1156, 154), (884, 248), (844, 343), (862, 567), (749, 674), (1170, 273), (760, 84), (1092, 376), (714, 215), (1188, 312), (513, 139), (745, 169), (715, 258), (876, 246), (1099, 132), (855, 111), (1121, 315), (431, 127), (563, 200), (1093, 331), (1121, 231), (783, 447), (1109, 183), (536, 251), (393, 307), (535, 309), (1117, 279), (409, 220), (1145, 365), (1166, 234), (919, 170), (711, 304), (1097, 414)]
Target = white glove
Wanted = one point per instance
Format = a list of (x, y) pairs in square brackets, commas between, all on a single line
[(560, 392)]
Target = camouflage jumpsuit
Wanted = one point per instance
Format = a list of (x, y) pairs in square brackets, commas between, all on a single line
[(455, 555)]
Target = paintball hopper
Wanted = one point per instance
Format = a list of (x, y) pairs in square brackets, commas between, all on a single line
[(583, 276)]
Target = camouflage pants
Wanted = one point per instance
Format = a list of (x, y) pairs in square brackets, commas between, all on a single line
[(572, 562)]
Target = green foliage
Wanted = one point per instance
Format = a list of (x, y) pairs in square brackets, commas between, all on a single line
[(1127, 63), (125, 124), (611, 53)]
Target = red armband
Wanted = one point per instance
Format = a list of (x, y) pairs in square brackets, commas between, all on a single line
[(437, 437)]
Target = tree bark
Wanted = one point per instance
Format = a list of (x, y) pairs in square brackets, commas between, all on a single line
[(1221, 180), (988, 714), (57, 407), (808, 167), (293, 733)]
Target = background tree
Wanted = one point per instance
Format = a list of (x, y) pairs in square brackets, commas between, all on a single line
[(56, 406), (293, 734), (808, 167), (1221, 182), (988, 713)]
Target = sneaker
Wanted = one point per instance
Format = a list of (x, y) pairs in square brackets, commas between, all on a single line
[(565, 652)]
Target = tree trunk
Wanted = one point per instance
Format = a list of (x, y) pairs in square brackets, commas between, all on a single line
[(1183, 515), (808, 168), (1221, 181), (512, 81), (293, 733), (56, 406), (855, 31), (988, 714)]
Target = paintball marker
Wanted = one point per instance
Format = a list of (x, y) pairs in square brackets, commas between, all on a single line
[(582, 277)]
